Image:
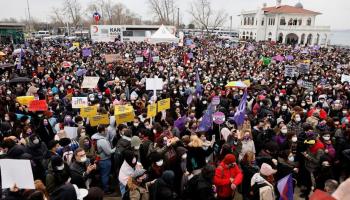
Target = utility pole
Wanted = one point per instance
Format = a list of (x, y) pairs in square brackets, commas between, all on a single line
[(178, 18), (230, 24), (29, 18)]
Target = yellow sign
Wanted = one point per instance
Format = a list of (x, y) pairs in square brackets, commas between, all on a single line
[(25, 100), (247, 82), (76, 44), (151, 110), (89, 111), (163, 104), (123, 118), (307, 61), (99, 119), (122, 109)]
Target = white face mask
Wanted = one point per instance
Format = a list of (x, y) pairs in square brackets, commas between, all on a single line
[(83, 159), (137, 147), (134, 161), (326, 138), (294, 139), (284, 130), (60, 168), (177, 104), (297, 119), (36, 141), (159, 163), (284, 107), (184, 156), (291, 158)]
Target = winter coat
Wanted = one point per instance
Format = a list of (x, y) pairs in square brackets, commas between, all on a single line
[(196, 157), (247, 145), (222, 179), (125, 172), (248, 171), (265, 189), (104, 148), (78, 174), (64, 192), (315, 152)]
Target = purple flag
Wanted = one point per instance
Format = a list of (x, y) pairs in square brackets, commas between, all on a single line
[(189, 99), (240, 113), (86, 52), (21, 55), (180, 123), (285, 188), (199, 88), (207, 119)]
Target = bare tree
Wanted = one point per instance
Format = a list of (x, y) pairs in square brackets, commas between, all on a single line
[(58, 16), (72, 8), (205, 16), (164, 10)]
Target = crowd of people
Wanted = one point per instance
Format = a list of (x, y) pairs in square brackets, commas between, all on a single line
[(288, 128)]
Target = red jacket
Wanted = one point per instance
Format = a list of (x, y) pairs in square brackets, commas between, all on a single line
[(323, 113), (222, 179)]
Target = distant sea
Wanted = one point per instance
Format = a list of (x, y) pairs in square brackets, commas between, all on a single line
[(340, 37)]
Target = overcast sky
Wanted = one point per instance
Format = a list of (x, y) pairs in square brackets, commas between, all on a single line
[(335, 12)]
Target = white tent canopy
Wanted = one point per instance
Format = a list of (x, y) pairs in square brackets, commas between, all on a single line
[(163, 35)]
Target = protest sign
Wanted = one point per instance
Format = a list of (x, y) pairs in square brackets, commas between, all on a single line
[(216, 100), (79, 102), (71, 132), (76, 44), (154, 84), (66, 64), (219, 118), (89, 111), (123, 118), (163, 104), (345, 78), (139, 59), (99, 119), (289, 71), (90, 82), (307, 85), (86, 52), (122, 109), (17, 172), (37, 105), (304, 68), (111, 58), (151, 110), (155, 58), (25, 100)]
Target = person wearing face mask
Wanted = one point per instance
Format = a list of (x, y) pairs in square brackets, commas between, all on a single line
[(280, 138), (197, 154), (157, 166), (127, 169), (286, 164), (57, 175), (136, 126), (137, 185), (135, 145), (86, 143), (249, 168), (295, 124), (45, 131), (180, 169), (247, 143), (81, 169), (329, 148)]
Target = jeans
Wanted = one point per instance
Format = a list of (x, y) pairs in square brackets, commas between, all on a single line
[(122, 189), (105, 170)]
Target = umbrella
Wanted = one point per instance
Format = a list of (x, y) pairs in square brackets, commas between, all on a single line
[(6, 65), (238, 84), (20, 80), (278, 58), (2, 53)]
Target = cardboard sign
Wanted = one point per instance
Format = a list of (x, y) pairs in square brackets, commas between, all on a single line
[(38, 105), (139, 59), (154, 84), (163, 104), (79, 102), (122, 109), (219, 118), (71, 132), (99, 119), (345, 78), (89, 111), (151, 110), (124, 118), (90, 82), (16, 171), (304, 68), (216, 100), (25, 100), (76, 44), (289, 71), (111, 58), (86, 52), (308, 85)]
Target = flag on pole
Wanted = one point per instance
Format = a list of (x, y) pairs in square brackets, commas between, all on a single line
[(285, 188), (19, 64), (180, 123), (240, 113), (199, 88), (207, 119)]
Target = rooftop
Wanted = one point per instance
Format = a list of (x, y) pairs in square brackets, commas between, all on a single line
[(289, 10)]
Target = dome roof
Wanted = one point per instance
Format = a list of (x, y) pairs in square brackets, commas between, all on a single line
[(299, 5)]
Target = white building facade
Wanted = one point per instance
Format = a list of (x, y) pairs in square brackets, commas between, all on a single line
[(284, 24)]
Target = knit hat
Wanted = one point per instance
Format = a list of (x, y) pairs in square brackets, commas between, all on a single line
[(279, 120), (229, 159), (180, 151), (267, 170), (138, 173), (225, 132), (135, 141)]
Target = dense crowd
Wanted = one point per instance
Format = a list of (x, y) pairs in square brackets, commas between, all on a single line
[(289, 128)]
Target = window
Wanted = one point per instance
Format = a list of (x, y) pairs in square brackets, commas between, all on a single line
[(248, 22), (273, 20), (300, 22), (295, 22), (290, 22), (262, 22), (308, 22), (252, 20), (245, 21), (282, 21)]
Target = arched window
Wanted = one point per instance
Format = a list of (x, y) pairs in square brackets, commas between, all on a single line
[(290, 22), (248, 22), (295, 22), (245, 21), (308, 22), (252, 20), (300, 22), (262, 21), (282, 21)]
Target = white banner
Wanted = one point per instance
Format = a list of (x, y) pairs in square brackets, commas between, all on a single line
[(17, 172), (90, 82), (78, 102)]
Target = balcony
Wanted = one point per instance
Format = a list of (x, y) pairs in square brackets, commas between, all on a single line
[(305, 28)]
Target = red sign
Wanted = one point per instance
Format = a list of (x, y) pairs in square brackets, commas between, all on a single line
[(38, 105)]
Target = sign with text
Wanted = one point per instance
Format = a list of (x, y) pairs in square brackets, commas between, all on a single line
[(76, 44), (308, 85), (99, 119), (154, 84), (122, 109), (304, 68), (139, 59), (124, 118), (345, 78), (219, 118), (151, 110), (289, 71), (79, 102), (86, 52), (163, 104), (37, 105), (90, 82), (25, 100), (155, 58), (71, 132), (89, 111), (216, 100)]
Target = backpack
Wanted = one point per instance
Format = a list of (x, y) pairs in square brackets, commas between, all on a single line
[(256, 190)]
